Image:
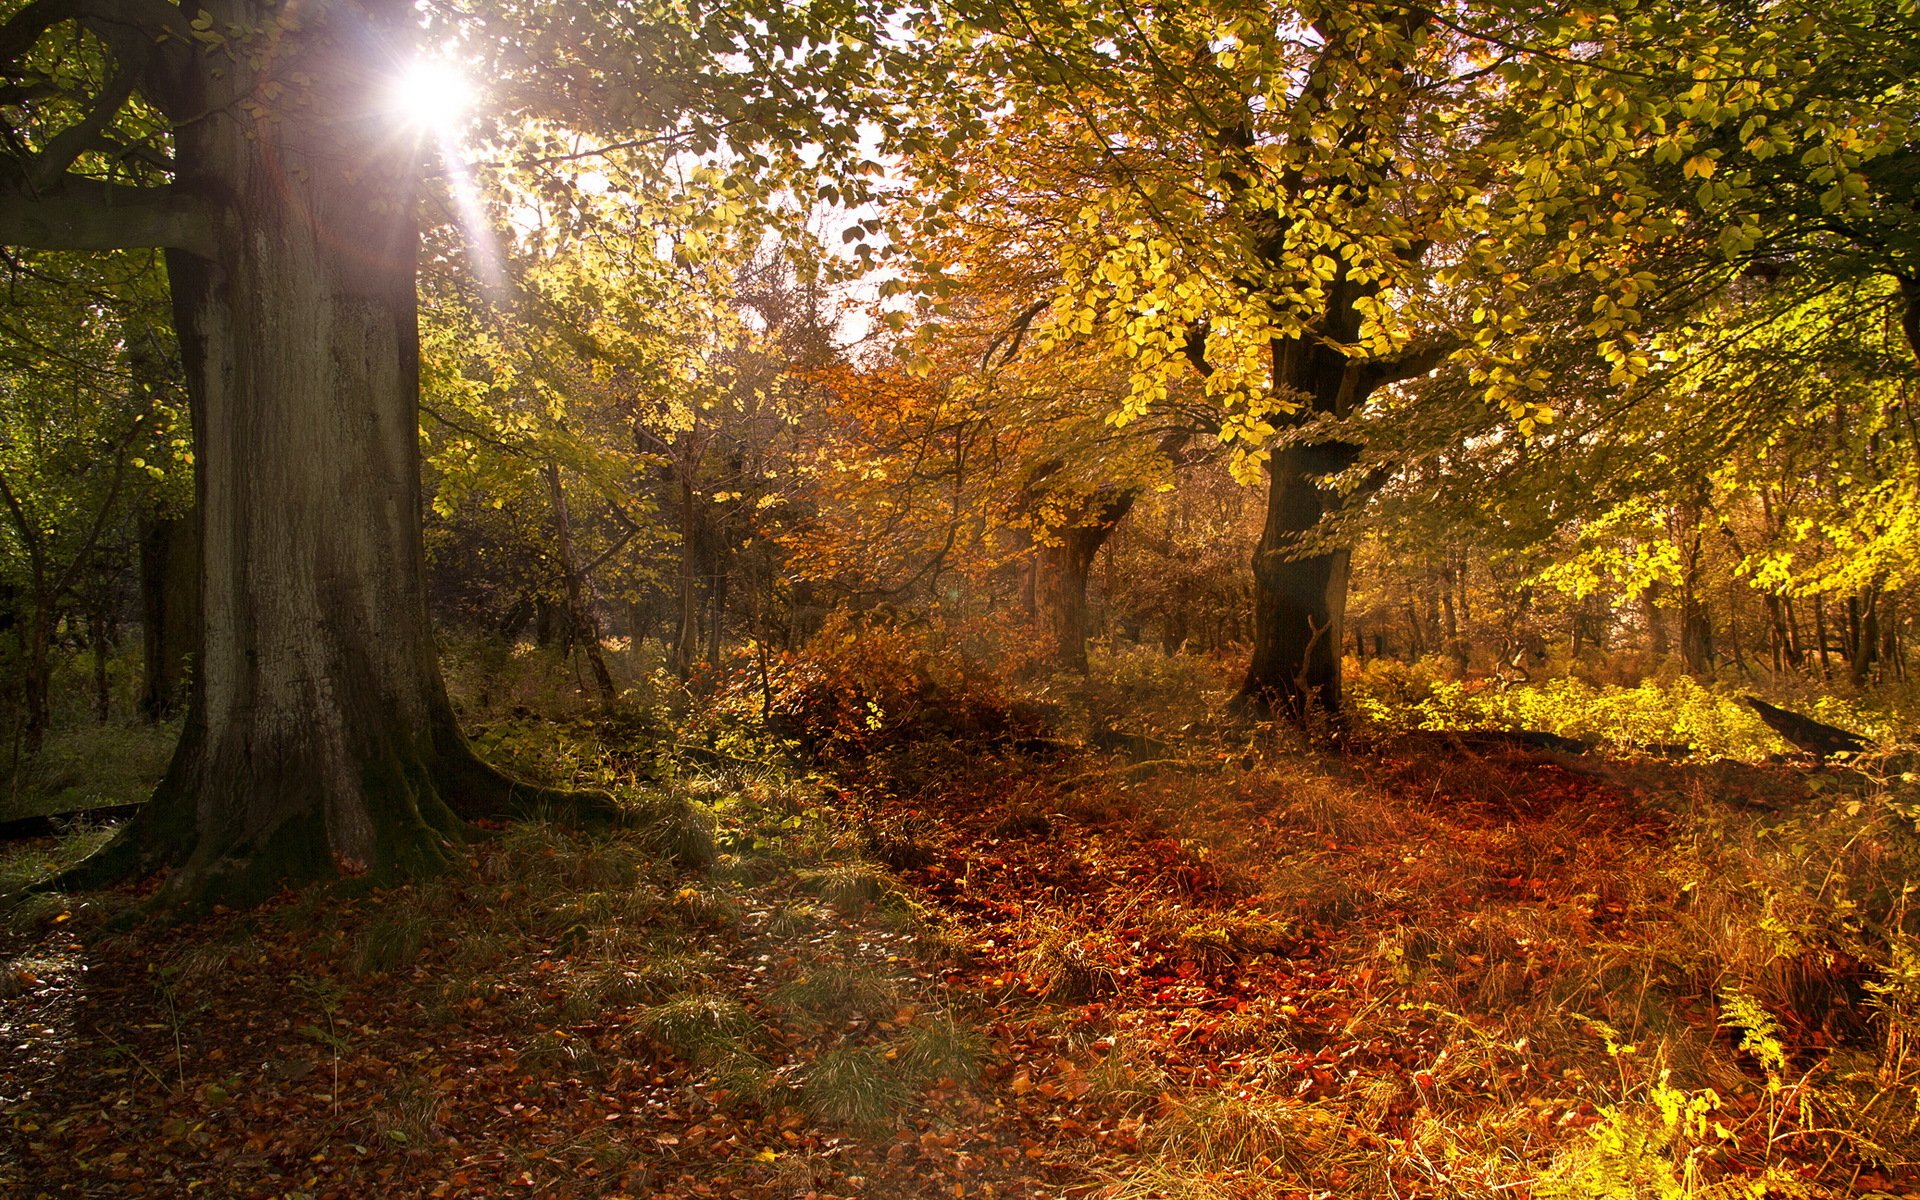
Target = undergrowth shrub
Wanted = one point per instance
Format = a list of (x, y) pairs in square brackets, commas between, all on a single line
[(1680, 715), (861, 685)]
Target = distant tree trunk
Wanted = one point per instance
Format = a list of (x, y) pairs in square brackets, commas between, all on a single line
[(35, 633), (642, 615), (1173, 631), (1862, 636), (1782, 645), (1658, 643), (1820, 634), (170, 611), (1063, 566), (1890, 648), (1733, 628), (687, 635), (717, 607), (1462, 571), (1696, 634), (514, 620), (1453, 600), (584, 626), (100, 641), (1696, 622)]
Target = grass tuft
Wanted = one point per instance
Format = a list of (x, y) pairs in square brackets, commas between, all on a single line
[(854, 1087), (701, 1027)]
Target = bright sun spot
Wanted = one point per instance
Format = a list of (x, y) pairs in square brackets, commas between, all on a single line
[(432, 97)]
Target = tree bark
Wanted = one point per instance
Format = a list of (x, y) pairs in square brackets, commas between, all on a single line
[(1820, 634), (1658, 642), (319, 740), (1300, 588), (35, 674), (687, 633), (1696, 635), (99, 641), (1300, 594), (170, 610), (1063, 566), (580, 616)]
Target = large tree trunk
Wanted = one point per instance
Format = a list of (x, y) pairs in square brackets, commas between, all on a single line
[(319, 739), (1300, 595), (1300, 583), (169, 610)]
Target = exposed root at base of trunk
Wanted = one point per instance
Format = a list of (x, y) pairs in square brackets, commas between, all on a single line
[(420, 810), (1312, 721), (477, 791)]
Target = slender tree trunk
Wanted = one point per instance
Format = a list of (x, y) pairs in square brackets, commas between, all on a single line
[(1696, 630), (1785, 652), (642, 614), (1696, 634), (319, 739), (99, 641), (1733, 628), (584, 626), (717, 606), (1862, 635), (687, 631), (1890, 650), (1658, 643), (35, 674), (1453, 614), (1820, 634)]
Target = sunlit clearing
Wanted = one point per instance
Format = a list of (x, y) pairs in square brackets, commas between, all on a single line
[(432, 97)]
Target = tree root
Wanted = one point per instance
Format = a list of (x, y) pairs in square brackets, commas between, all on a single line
[(423, 811)]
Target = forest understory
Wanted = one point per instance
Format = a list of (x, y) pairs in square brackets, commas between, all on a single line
[(993, 946)]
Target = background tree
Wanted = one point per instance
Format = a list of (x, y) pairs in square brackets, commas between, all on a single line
[(94, 434)]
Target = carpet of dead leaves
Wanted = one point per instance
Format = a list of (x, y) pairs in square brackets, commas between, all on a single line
[(1106, 925)]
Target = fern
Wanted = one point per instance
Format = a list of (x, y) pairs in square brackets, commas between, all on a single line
[(1655, 1149), (1760, 1033)]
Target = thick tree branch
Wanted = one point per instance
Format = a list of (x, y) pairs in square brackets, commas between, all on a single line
[(1417, 361), (85, 214), (64, 148), (153, 18), (1195, 345), (151, 38)]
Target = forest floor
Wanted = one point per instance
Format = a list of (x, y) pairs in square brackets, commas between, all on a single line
[(1194, 965)]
